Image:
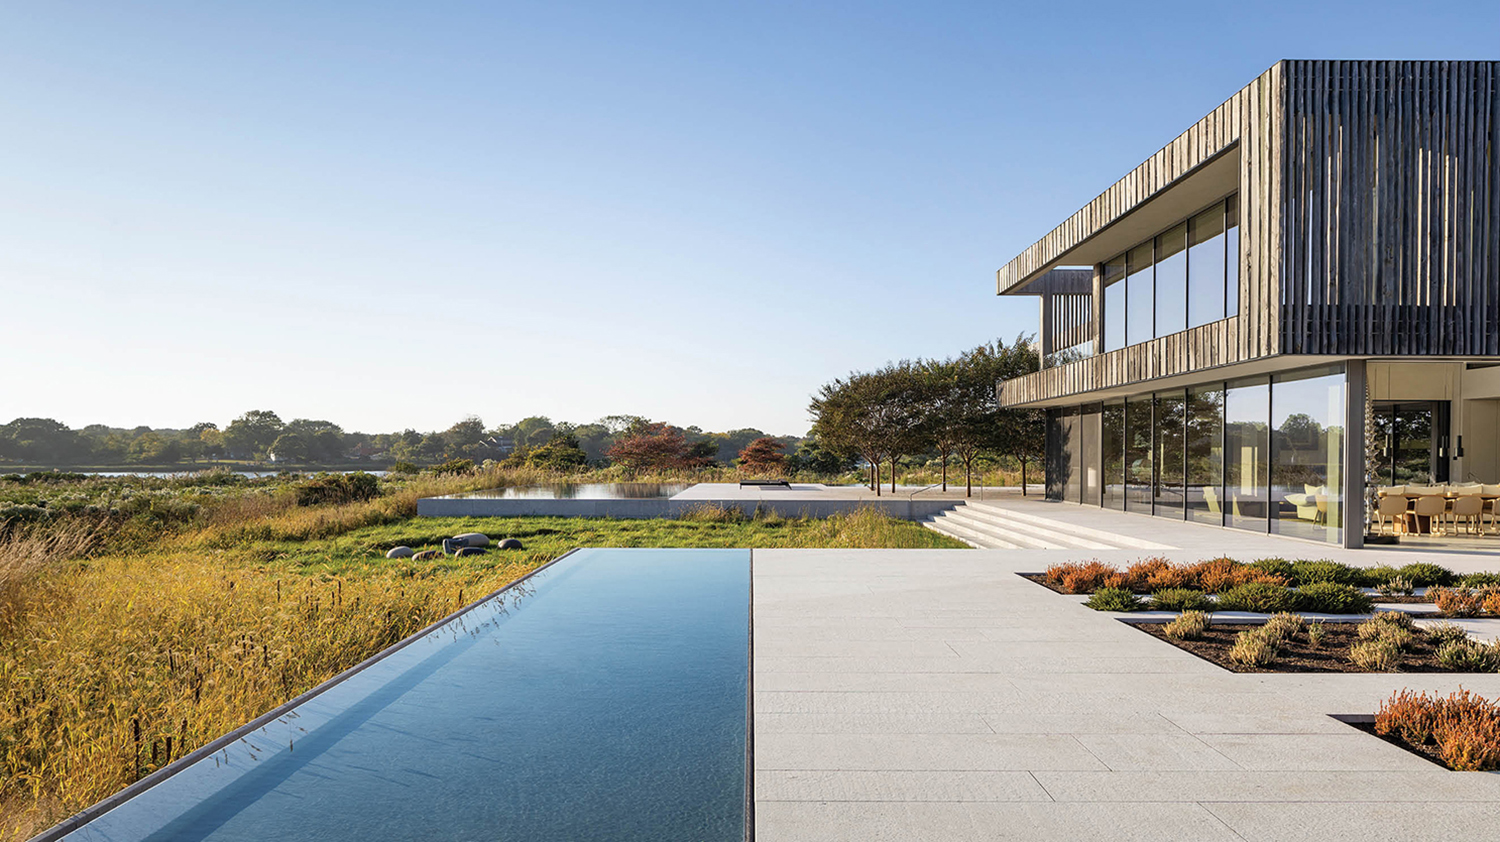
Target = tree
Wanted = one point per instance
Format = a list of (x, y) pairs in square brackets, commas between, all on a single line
[(763, 456), (1020, 433), (653, 446), (562, 453), (534, 431), (290, 447), (252, 433)]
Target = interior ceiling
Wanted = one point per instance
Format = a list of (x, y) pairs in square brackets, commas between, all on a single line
[(1197, 190)]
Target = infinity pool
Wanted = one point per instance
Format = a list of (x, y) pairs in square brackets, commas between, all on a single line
[(604, 698), (583, 491)]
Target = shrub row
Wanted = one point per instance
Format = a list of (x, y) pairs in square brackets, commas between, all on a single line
[(1153, 574), (1464, 728)]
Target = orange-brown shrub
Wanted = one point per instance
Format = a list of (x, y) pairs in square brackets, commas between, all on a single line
[(1118, 580), (1491, 602), (1457, 602), (1139, 574), (1087, 577), (1171, 576), (1464, 727)]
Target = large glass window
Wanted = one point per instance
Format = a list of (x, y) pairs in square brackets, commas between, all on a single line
[(1089, 454), (1138, 473), (1307, 446), (1112, 453), (1171, 281), (1114, 304), (1232, 258), (1170, 409), (1139, 295), (1247, 453), (1205, 454), (1206, 279), (1072, 453)]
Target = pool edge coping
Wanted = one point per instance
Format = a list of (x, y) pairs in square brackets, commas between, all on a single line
[(103, 806)]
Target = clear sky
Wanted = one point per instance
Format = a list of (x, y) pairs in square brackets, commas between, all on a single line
[(395, 215)]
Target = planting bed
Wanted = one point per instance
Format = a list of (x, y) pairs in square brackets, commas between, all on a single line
[(1296, 655)]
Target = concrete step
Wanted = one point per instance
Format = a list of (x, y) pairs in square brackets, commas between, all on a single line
[(954, 527), (1113, 540), (1045, 536)]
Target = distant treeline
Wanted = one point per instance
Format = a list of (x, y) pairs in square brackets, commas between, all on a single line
[(261, 437)]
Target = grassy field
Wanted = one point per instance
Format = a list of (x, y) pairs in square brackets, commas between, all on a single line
[(125, 643)]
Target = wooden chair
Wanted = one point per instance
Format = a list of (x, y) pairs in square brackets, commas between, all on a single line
[(1392, 508), (1469, 508), (1434, 507)]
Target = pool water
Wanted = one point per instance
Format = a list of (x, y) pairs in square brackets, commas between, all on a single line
[(583, 491), (605, 698)]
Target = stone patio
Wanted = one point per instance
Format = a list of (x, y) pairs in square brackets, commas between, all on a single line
[(933, 694)]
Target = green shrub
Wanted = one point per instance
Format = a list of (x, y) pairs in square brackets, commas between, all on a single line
[(1469, 656), (1375, 629), (1425, 575), (1315, 632), (1378, 655), (1374, 577), (338, 488), (1324, 570), (1283, 626), (1114, 599), (1253, 648), (1397, 585), (1180, 599), (1332, 598), (1441, 633), (455, 467), (1274, 566), (1189, 625), (402, 468), (1256, 596), (1479, 580)]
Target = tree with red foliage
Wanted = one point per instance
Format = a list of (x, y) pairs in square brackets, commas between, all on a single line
[(763, 456), (654, 446)]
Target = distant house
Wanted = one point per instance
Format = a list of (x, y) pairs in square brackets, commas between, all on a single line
[(1319, 253)]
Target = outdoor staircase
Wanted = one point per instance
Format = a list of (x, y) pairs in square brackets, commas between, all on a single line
[(988, 527)]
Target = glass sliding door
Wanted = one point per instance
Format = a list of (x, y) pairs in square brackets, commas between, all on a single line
[(1247, 453), (1112, 453), (1205, 454), (1171, 408), (1138, 474), (1307, 454)]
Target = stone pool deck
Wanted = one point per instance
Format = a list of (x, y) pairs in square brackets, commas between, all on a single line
[(934, 694)]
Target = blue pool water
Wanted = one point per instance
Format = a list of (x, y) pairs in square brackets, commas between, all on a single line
[(603, 699)]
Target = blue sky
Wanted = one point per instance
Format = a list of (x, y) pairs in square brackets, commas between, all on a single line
[(395, 215)]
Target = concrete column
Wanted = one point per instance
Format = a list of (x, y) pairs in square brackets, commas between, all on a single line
[(1355, 506)]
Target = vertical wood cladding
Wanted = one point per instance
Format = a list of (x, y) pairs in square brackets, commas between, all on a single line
[(1390, 212)]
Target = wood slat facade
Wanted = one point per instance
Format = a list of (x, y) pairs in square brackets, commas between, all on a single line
[(1369, 222)]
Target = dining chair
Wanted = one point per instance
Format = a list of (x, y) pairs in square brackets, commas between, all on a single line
[(1467, 508), (1434, 507), (1392, 509)]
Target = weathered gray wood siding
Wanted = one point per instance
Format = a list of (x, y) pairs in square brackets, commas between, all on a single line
[(1390, 213), (1209, 346)]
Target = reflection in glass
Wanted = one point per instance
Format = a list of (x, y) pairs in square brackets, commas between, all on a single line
[(1171, 408), (1088, 456), (1138, 473), (1112, 451), (1232, 256), (1072, 438), (1307, 443), (1114, 304), (1205, 454), (1139, 293), (1206, 267), (1403, 435), (1247, 411), (1171, 281)]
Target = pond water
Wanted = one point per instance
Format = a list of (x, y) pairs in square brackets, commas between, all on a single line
[(583, 491), (602, 699)]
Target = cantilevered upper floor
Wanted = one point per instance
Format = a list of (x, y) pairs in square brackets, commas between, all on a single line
[(1329, 209)]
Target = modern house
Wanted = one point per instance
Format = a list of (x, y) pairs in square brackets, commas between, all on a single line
[(1297, 296)]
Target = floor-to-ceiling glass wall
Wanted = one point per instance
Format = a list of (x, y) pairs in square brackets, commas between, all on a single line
[(1205, 454), (1073, 453), (1307, 450), (1247, 453), (1138, 474), (1112, 453), (1089, 445), (1171, 408)]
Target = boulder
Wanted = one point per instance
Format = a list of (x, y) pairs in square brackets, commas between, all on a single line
[(427, 555), (472, 539), (510, 544), (400, 552), (463, 551)]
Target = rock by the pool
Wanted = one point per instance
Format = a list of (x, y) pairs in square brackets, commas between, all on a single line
[(472, 539), (400, 552), (510, 544), (463, 551), (427, 555)]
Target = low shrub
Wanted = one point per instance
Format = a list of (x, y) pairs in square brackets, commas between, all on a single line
[(402, 468), (454, 467), (1440, 633), (1464, 727), (1479, 580), (1374, 577), (1113, 599), (1379, 655), (1491, 601), (1315, 632), (1325, 570), (1222, 574), (1079, 577), (1457, 602), (1253, 648), (1171, 576), (1398, 635), (1274, 567), (1469, 656), (1138, 576), (1395, 586), (1283, 627), (1332, 598), (1425, 575), (1180, 599), (338, 488), (1189, 625), (1262, 597)]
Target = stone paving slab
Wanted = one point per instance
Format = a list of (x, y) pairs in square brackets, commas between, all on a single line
[(934, 694)]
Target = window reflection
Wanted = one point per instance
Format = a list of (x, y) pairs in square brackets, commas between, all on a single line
[(1205, 295), (1112, 453), (1205, 454), (1307, 442), (1138, 473), (1139, 294), (1170, 412), (1232, 256), (1247, 464), (1171, 281), (1114, 304)]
